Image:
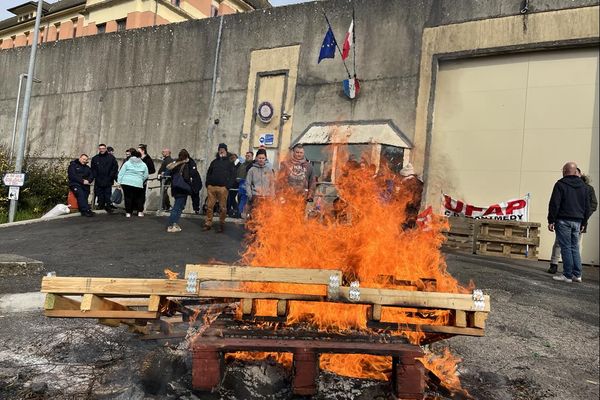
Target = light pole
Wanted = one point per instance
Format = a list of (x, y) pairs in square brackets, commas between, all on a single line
[(14, 133), (26, 102)]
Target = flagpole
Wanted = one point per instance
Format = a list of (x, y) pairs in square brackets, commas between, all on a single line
[(354, 39), (337, 46)]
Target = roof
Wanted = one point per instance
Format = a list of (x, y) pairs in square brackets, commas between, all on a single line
[(354, 132), (27, 6), (256, 4), (48, 8)]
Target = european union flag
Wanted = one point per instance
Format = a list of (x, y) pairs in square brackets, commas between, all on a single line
[(328, 46)]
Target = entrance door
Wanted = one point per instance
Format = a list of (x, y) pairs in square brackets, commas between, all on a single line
[(268, 111)]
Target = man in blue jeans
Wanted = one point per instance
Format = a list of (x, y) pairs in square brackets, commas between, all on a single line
[(568, 213)]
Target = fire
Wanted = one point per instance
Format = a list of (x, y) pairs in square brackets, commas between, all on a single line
[(171, 274), (369, 239), (444, 367)]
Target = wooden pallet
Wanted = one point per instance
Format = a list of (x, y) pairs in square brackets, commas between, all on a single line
[(493, 237), (138, 300)]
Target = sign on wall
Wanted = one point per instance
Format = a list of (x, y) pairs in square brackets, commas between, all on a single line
[(511, 210)]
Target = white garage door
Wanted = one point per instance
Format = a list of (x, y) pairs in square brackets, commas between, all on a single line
[(505, 125)]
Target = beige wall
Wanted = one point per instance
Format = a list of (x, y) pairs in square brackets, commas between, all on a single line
[(504, 126)]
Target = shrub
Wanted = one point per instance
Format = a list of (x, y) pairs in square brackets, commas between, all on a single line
[(46, 183)]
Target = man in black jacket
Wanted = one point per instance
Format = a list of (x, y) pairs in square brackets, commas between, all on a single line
[(219, 179), (80, 179), (568, 213), (105, 169)]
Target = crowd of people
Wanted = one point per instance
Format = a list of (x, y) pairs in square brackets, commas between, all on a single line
[(233, 186)]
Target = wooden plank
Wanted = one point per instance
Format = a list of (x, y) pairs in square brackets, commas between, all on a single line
[(116, 314), (460, 318), (282, 308), (236, 294), (115, 286), (479, 319), (247, 306), (450, 330), (385, 297), (154, 302), (58, 302), (513, 239), (93, 302), (374, 312), (498, 222), (262, 274)]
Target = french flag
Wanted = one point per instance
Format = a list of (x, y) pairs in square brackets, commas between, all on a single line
[(348, 40), (351, 87)]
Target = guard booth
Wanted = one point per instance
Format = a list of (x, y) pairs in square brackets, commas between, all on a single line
[(330, 145)]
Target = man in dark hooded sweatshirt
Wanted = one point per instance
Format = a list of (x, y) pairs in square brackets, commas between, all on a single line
[(219, 178), (105, 169), (568, 213)]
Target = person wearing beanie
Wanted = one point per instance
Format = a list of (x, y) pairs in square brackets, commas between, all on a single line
[(219, 178)]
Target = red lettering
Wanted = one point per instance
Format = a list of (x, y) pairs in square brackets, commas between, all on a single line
[(515, 205), (448, 204), (495, 209), (469, 210)]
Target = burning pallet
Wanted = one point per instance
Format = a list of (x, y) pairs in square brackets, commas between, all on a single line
[(136, 302)]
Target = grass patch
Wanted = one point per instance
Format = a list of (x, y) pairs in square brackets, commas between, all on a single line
[(20, 215)]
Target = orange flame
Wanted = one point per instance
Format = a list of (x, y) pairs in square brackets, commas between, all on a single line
[(370, 236), (171, 274), (444, 367)]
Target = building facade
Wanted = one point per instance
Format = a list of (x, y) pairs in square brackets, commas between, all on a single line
[(492, 97), (68, 19)]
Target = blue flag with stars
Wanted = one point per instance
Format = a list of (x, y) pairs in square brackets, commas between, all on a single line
[(328, 46)]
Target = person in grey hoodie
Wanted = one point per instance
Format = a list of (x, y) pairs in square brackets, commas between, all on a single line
[(131, 177), (260, 180)]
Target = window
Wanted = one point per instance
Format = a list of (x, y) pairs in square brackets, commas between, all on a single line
[(176, 2), (41, 38), (214, 10), (57, 26), (27, 38), (101, 28), (74, 20), (1, 40), (121, 24)]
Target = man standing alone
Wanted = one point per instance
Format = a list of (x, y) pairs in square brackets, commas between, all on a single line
[(219, 179), (568, 212), (164, 176), (105, 169)]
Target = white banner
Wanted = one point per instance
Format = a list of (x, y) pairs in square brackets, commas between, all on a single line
[(511, 210)]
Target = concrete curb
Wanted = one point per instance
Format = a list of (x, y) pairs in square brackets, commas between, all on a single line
[(35, 220), (20, 302), (16, 265)]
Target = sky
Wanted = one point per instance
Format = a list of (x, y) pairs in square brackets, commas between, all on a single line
[(11, 3)]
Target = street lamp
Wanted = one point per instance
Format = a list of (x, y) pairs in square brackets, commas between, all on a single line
[(25, 116), (14, 133)]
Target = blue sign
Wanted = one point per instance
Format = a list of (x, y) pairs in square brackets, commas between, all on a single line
[(269, 139)]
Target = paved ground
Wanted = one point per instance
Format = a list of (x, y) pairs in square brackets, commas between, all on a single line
[(541, 340)]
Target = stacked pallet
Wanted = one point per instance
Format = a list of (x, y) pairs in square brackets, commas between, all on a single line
[(489, 237), (136, 302)]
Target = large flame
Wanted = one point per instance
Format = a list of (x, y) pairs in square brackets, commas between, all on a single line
[(444, 367), (369, 238)]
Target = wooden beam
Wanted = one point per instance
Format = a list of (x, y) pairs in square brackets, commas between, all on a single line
[(477, 319), (154, 302), (236, 294), (282, 308), (93, 302), (110, 314), (58, 302), (460, 318), (115, 286), (374, 312), (389, 297), (262, 274), (247, 306)]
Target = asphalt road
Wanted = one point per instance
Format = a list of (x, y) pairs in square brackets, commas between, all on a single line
[(541, 337)]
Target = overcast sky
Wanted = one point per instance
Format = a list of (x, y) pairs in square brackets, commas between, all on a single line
[(11, 3)]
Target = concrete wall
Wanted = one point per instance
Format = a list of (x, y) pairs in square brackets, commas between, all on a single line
[(153, 85)]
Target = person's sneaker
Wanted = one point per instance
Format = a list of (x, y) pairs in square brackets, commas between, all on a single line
[(577, 279), (553, 268), (127, 215), (206, 228), (197, 212), (177, 228), (88, 213), (562, 278), (112, 207), (171, 229), (220, 228), (140, 214), (108, 210)]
